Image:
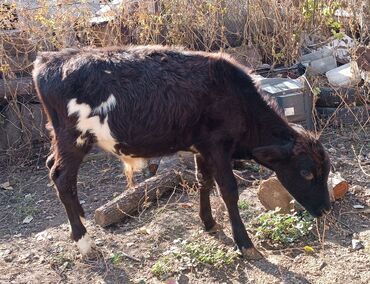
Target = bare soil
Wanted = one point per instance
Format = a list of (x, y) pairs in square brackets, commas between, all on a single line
[(41, 252)]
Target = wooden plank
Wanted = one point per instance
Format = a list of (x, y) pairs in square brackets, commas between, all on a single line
[(16, 87)]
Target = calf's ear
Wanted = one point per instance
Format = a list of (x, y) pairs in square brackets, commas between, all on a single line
[(270, 156)]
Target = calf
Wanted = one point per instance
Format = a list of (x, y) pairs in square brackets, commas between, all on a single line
[(147, 101)]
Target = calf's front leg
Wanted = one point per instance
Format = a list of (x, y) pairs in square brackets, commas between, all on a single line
[(229, 190), (66, 162)]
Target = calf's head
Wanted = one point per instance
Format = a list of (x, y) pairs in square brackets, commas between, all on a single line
[(302, 166)]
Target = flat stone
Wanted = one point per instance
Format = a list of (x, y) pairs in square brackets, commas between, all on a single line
[(272, 194)]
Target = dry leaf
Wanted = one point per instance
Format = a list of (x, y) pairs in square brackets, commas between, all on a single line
[(308, 249)]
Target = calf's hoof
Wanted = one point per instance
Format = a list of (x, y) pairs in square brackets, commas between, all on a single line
[(216, 228), (251, 254)]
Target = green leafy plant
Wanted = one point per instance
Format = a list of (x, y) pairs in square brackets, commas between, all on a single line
[(243, 204), (162, 267), (284, 228), (116, 258), (209, 253)]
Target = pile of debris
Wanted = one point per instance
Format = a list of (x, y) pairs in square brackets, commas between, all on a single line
[(339, 67), (342, 66)]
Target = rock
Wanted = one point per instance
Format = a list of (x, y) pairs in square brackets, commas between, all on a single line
[(27, 220), (358, 206), (6, 186), (356, 189), (9, 258), (272, 194), (322, 265), (357, 244)]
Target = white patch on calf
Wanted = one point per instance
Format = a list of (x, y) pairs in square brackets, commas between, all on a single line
[(102, 132), (84, 244), (106, 106), (80, 141), (92, 124)]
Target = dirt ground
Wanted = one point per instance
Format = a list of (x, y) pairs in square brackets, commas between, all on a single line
[(40, 251)]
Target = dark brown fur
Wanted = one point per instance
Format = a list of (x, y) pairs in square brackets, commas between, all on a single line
[(168, 100)]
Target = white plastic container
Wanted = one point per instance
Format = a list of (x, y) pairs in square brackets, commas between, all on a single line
[(345, 75)]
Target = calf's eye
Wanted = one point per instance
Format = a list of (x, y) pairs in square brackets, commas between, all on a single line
[(307, 174)]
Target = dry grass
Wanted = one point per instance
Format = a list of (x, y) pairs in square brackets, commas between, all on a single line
[(276, 30)]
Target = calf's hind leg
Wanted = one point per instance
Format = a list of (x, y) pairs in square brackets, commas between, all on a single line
[(206, 184), (67, 160)]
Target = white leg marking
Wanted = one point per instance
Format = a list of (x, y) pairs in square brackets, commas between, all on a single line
[(84, 244)]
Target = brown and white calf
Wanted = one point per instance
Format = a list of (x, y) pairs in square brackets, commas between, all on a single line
[(148, 101)]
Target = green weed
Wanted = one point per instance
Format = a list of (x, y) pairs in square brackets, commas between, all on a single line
[(243, 204), (162, 267), (284, 228)]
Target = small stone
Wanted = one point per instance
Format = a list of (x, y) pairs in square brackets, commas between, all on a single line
[(322, 265), (27, 220), (64, 266), (358, 206), (27, 257), (5, 253), (356, 189), (82, 201), (42, 259), (6, 186), (9, 258), (332, 150), (298, 258), (357, 244)]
